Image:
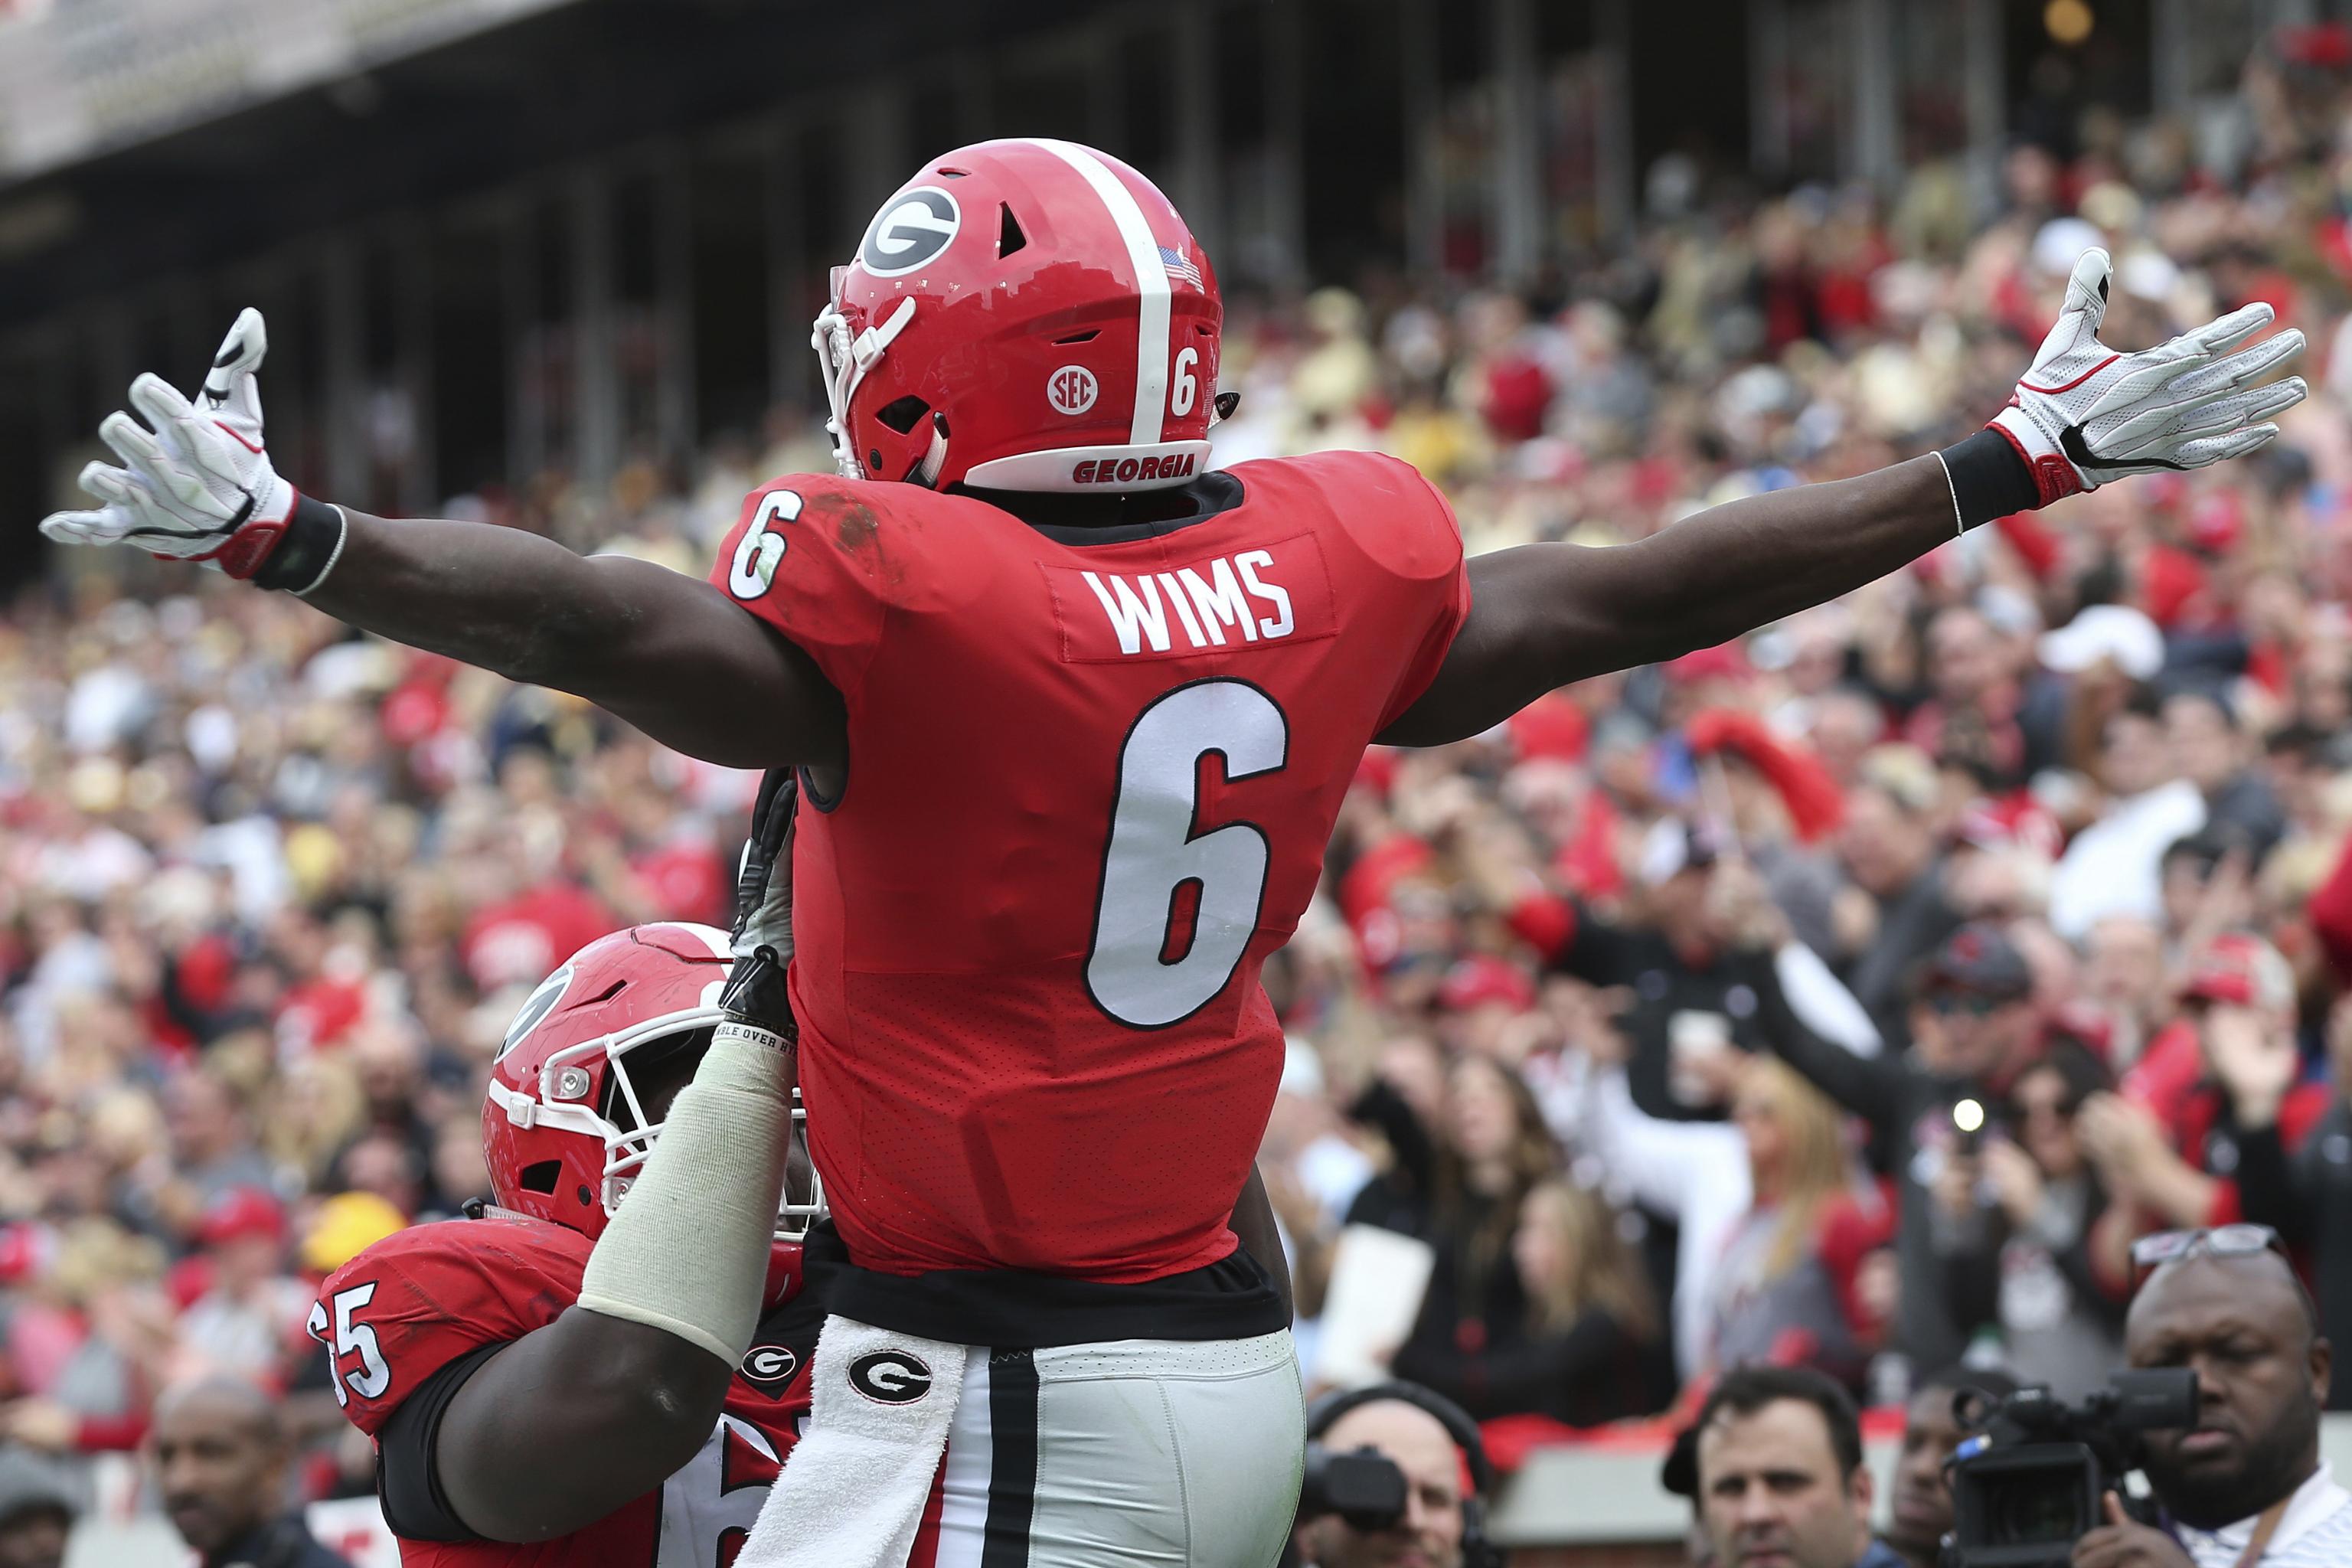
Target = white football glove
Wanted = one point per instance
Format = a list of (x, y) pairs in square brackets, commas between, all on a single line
[(2085, 413), (196, 483)]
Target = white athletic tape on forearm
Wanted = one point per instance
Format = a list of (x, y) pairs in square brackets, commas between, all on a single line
[(1959, 521), (687, 1251)]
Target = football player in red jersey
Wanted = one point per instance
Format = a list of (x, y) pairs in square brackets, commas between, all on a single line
[(1074, 714), (508, 1425)]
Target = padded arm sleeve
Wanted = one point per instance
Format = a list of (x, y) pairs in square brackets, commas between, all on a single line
[(688, 1253)]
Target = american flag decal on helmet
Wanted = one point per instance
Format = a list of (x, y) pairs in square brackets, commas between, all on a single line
[(1179, 265)]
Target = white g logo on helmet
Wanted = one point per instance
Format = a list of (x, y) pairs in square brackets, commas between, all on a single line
[(538, 1005), (915, 227)]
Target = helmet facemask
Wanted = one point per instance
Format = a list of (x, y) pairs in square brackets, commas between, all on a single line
[(845, 350), (620, 1123)]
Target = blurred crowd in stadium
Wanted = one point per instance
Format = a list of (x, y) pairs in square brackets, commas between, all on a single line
[(1851, 994)]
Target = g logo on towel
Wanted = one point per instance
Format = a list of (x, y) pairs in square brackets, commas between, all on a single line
[(890, 1377)]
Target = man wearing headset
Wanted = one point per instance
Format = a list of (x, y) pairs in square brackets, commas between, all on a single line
[(1434, 1447)]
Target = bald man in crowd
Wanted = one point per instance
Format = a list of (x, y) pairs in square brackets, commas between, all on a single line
[(36, 1512), (2246, 1484), (1429, 1532), (221, 1457)]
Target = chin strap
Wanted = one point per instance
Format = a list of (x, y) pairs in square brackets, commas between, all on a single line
[(845, 361), (927, 470)]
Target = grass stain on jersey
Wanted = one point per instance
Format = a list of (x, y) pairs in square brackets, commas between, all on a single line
[(855, 528)]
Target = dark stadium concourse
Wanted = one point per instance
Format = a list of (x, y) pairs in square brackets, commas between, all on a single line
[(599, 231), (593, 230)]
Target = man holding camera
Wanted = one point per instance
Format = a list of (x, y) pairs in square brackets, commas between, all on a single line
[(2244, 1486), (1421, 1513)]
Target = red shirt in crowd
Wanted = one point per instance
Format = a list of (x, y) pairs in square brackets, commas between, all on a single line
[(521, 941)]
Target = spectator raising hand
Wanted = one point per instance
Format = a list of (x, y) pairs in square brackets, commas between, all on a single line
[(2015, 1181), (1740, 908), (2125, 1143), (2254, 1061)]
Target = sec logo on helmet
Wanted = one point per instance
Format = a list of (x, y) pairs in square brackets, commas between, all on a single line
[(890, 1377), (1072, 389), (915, 227)]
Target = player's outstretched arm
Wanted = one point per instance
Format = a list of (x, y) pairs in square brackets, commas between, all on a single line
[(1546, 615), (668, 653)]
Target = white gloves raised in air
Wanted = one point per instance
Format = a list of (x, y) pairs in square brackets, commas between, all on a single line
[(2085, 413), (195, 482)]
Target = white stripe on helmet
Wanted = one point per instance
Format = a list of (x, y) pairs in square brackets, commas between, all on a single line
[(1151, 279)]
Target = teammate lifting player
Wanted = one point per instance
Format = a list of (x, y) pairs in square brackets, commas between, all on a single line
[(516, 1420), (1074, 714)]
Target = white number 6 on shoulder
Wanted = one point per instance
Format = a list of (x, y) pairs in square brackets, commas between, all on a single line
[(753, 572)]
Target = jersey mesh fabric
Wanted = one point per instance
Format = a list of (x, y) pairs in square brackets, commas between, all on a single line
[(435, 1292), (995, 1076)]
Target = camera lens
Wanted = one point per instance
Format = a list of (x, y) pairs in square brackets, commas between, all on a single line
[(2038, 1508)]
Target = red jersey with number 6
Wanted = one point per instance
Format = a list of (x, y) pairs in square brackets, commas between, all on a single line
[(430, 1295), (1091, 774)]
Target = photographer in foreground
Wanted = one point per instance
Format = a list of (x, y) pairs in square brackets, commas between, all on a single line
[(1396, 1476), (2244, 1486)]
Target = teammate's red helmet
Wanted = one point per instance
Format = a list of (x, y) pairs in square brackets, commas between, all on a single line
[(1023, 315), (563, 1127)]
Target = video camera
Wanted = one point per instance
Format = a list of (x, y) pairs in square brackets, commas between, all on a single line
[(1362, 1486), (1367, 1489), (2027, 1485)]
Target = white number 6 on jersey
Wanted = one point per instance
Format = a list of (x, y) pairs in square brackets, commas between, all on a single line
[(1152, 854)]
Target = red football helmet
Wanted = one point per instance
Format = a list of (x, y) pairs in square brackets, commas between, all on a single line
[(563, 1127), (1023, 315)]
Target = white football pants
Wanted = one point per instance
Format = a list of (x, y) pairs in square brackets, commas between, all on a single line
[(1130, 1453)]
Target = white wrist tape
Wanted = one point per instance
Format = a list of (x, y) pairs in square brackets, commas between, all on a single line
[(687, 1252)]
